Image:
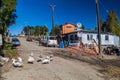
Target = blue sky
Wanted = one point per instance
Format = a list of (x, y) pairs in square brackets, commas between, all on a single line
[(38, 12)]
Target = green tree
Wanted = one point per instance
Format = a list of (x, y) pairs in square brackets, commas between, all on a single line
[(103, 26), (7, 15), (26, 30), (44, 29), (83, 27), (112, 22), (29, 30), (37, 30), (41, 30), (32, 31), (56, 30)]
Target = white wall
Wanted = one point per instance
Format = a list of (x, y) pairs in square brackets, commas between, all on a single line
[(110, 41), (84, 37), (116, 40), (113, 40)]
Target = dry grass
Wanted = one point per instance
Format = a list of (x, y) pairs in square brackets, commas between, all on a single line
[(6, 67), (112, 72), (11, 53), (8, 53), (110, 65)]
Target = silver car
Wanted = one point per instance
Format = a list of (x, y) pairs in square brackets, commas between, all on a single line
[(15, 42)]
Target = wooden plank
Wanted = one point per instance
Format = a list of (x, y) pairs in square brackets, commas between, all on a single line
[(95, 46)]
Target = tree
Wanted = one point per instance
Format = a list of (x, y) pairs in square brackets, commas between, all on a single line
[(44, 29), (41, 30), (29, 30), (26, 30), (103, 25), (83, 27), (112, 22), (37, 30), (56, 30), (32, 31), (7, 15)]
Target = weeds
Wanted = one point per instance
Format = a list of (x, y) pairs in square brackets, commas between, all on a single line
[(9, 51)]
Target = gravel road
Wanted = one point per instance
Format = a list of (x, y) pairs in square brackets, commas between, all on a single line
[(58, 69)]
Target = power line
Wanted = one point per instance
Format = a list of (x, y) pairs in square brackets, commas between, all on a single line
[(103, 6), (57, 18)]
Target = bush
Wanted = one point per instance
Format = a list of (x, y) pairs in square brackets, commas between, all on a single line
[(10, 53), (7, 46)]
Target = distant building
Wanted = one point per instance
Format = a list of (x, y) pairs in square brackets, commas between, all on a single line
[(21, 35)]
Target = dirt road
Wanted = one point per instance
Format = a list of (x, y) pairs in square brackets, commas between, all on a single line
[(58, 69)]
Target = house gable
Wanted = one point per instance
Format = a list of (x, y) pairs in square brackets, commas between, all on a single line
[(67, 28)]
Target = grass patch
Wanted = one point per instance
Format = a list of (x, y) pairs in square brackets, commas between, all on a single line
[(8, 50), (113, 70), (7, 46), (10, 53)]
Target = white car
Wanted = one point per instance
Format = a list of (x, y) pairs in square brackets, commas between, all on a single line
[(51, 41)]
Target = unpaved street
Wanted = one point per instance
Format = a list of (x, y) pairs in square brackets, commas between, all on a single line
[(58, 69)]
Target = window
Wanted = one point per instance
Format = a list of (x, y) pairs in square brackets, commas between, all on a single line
[(76, 37), (97, 36), (71, 38), (106, 37), (89, 37), (68, 26), (51, 38)]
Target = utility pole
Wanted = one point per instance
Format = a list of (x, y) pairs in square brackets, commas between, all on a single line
[(28, 29), (99, 29), (52, 6)]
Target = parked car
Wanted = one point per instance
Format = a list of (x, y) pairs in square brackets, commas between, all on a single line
[(51, 41), (15, 42), (29, 39)]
